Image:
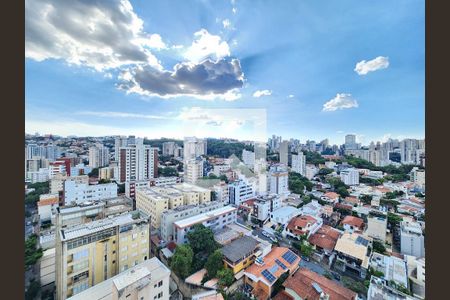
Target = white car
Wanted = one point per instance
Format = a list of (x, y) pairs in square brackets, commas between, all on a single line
[(266, 234)]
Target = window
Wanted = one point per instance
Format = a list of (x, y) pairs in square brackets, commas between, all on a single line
[(160, 283)]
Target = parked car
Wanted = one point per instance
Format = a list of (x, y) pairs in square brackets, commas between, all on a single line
[(265, 233), (274, 240), (305, 258)]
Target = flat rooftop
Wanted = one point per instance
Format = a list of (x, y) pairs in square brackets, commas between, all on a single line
[(98, 225), (104, 290), (239, 248), (204, 217)]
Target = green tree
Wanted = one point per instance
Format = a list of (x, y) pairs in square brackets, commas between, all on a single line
[(226, 277), (33, 290), (32, 252), (214, 263), (306, 249), (342, 191), (168, 172), (366, 199), (39, 188), (181, 261), (393, 219), (378, 247), (93, 173), (201, 239)]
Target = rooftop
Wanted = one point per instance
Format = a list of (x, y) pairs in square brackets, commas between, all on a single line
[(392, 267), (99, 225), (325, 238), (104, 289), (276, 262), (309, 285), (354, 245), (353, 221), (285, 211), (239, 248), (204, 216)]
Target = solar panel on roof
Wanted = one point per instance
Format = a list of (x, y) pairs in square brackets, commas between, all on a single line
[(362, 241), (274, 269), (268, 276), (289, 256), (283, 266)]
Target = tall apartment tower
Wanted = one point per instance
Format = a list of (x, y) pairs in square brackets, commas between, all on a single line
[(299, 163), (119, 142), (193, 170), (90, 253), (98, 156), (284, 152), (350, 142), (194, 147), (138, 162), (278, 180)]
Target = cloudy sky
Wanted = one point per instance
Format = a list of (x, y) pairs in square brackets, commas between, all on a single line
[(242, 69)]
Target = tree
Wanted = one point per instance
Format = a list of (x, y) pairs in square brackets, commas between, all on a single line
[(93, 173), (39, 188), (226, 277), (306, 249), (214, 263), (168, 171), (378, 247), (33, 290), (342, 191), (201, 239), (181, 261), (366, 199), (32, 253), (393, 219)]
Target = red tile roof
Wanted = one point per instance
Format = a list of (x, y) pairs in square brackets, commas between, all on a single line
[(353, 221), (48, 201), (302, 284), (331, 195), (343, 206), (325, 238), (352, 200), (302, 222)]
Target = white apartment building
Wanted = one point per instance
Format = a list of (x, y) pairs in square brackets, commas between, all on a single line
[(350, 176), (57, 182), (39, 176), (311, 171), (98, 156), (220, 169), (215, 219), (119, 142), (240, 190), (299, 163), (138, 162), (148, 280), (418, 177), (194, 147), (193, 170), (278, 180), (284, 152), (168, 217), (47, 202), (412, 241), (221, 192), (82, 192), (265, 205), (248, 158), (80, 169)]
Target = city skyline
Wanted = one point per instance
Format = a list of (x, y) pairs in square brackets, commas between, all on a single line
[(317, 71)]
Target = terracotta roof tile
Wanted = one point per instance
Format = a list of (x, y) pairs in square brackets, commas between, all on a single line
[(325, 238), (353, 221), (302, 284)]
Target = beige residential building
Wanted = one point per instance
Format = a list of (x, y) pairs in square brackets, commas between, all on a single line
[(153, 201), (57, 182), (146, 281), (90, 253)]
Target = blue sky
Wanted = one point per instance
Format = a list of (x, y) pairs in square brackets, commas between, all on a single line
[(242, 69)]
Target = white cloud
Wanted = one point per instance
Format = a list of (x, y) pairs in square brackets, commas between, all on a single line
[(364, 67), (100, 35), (291, 96), (154, 41), (234, 10), (341, 101), (206, 46), (113, 114), (261, 93), (226, 23)]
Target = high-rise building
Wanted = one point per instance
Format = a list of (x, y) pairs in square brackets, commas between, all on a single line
[(278, 180), (193, 170), (98, 156), (299, 163), (239, 191), (412, 241), (119, 142), (248, 158), (138, 162), (284, 152), (350, 142), (194, 147), (88, 254), (350, 176)]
